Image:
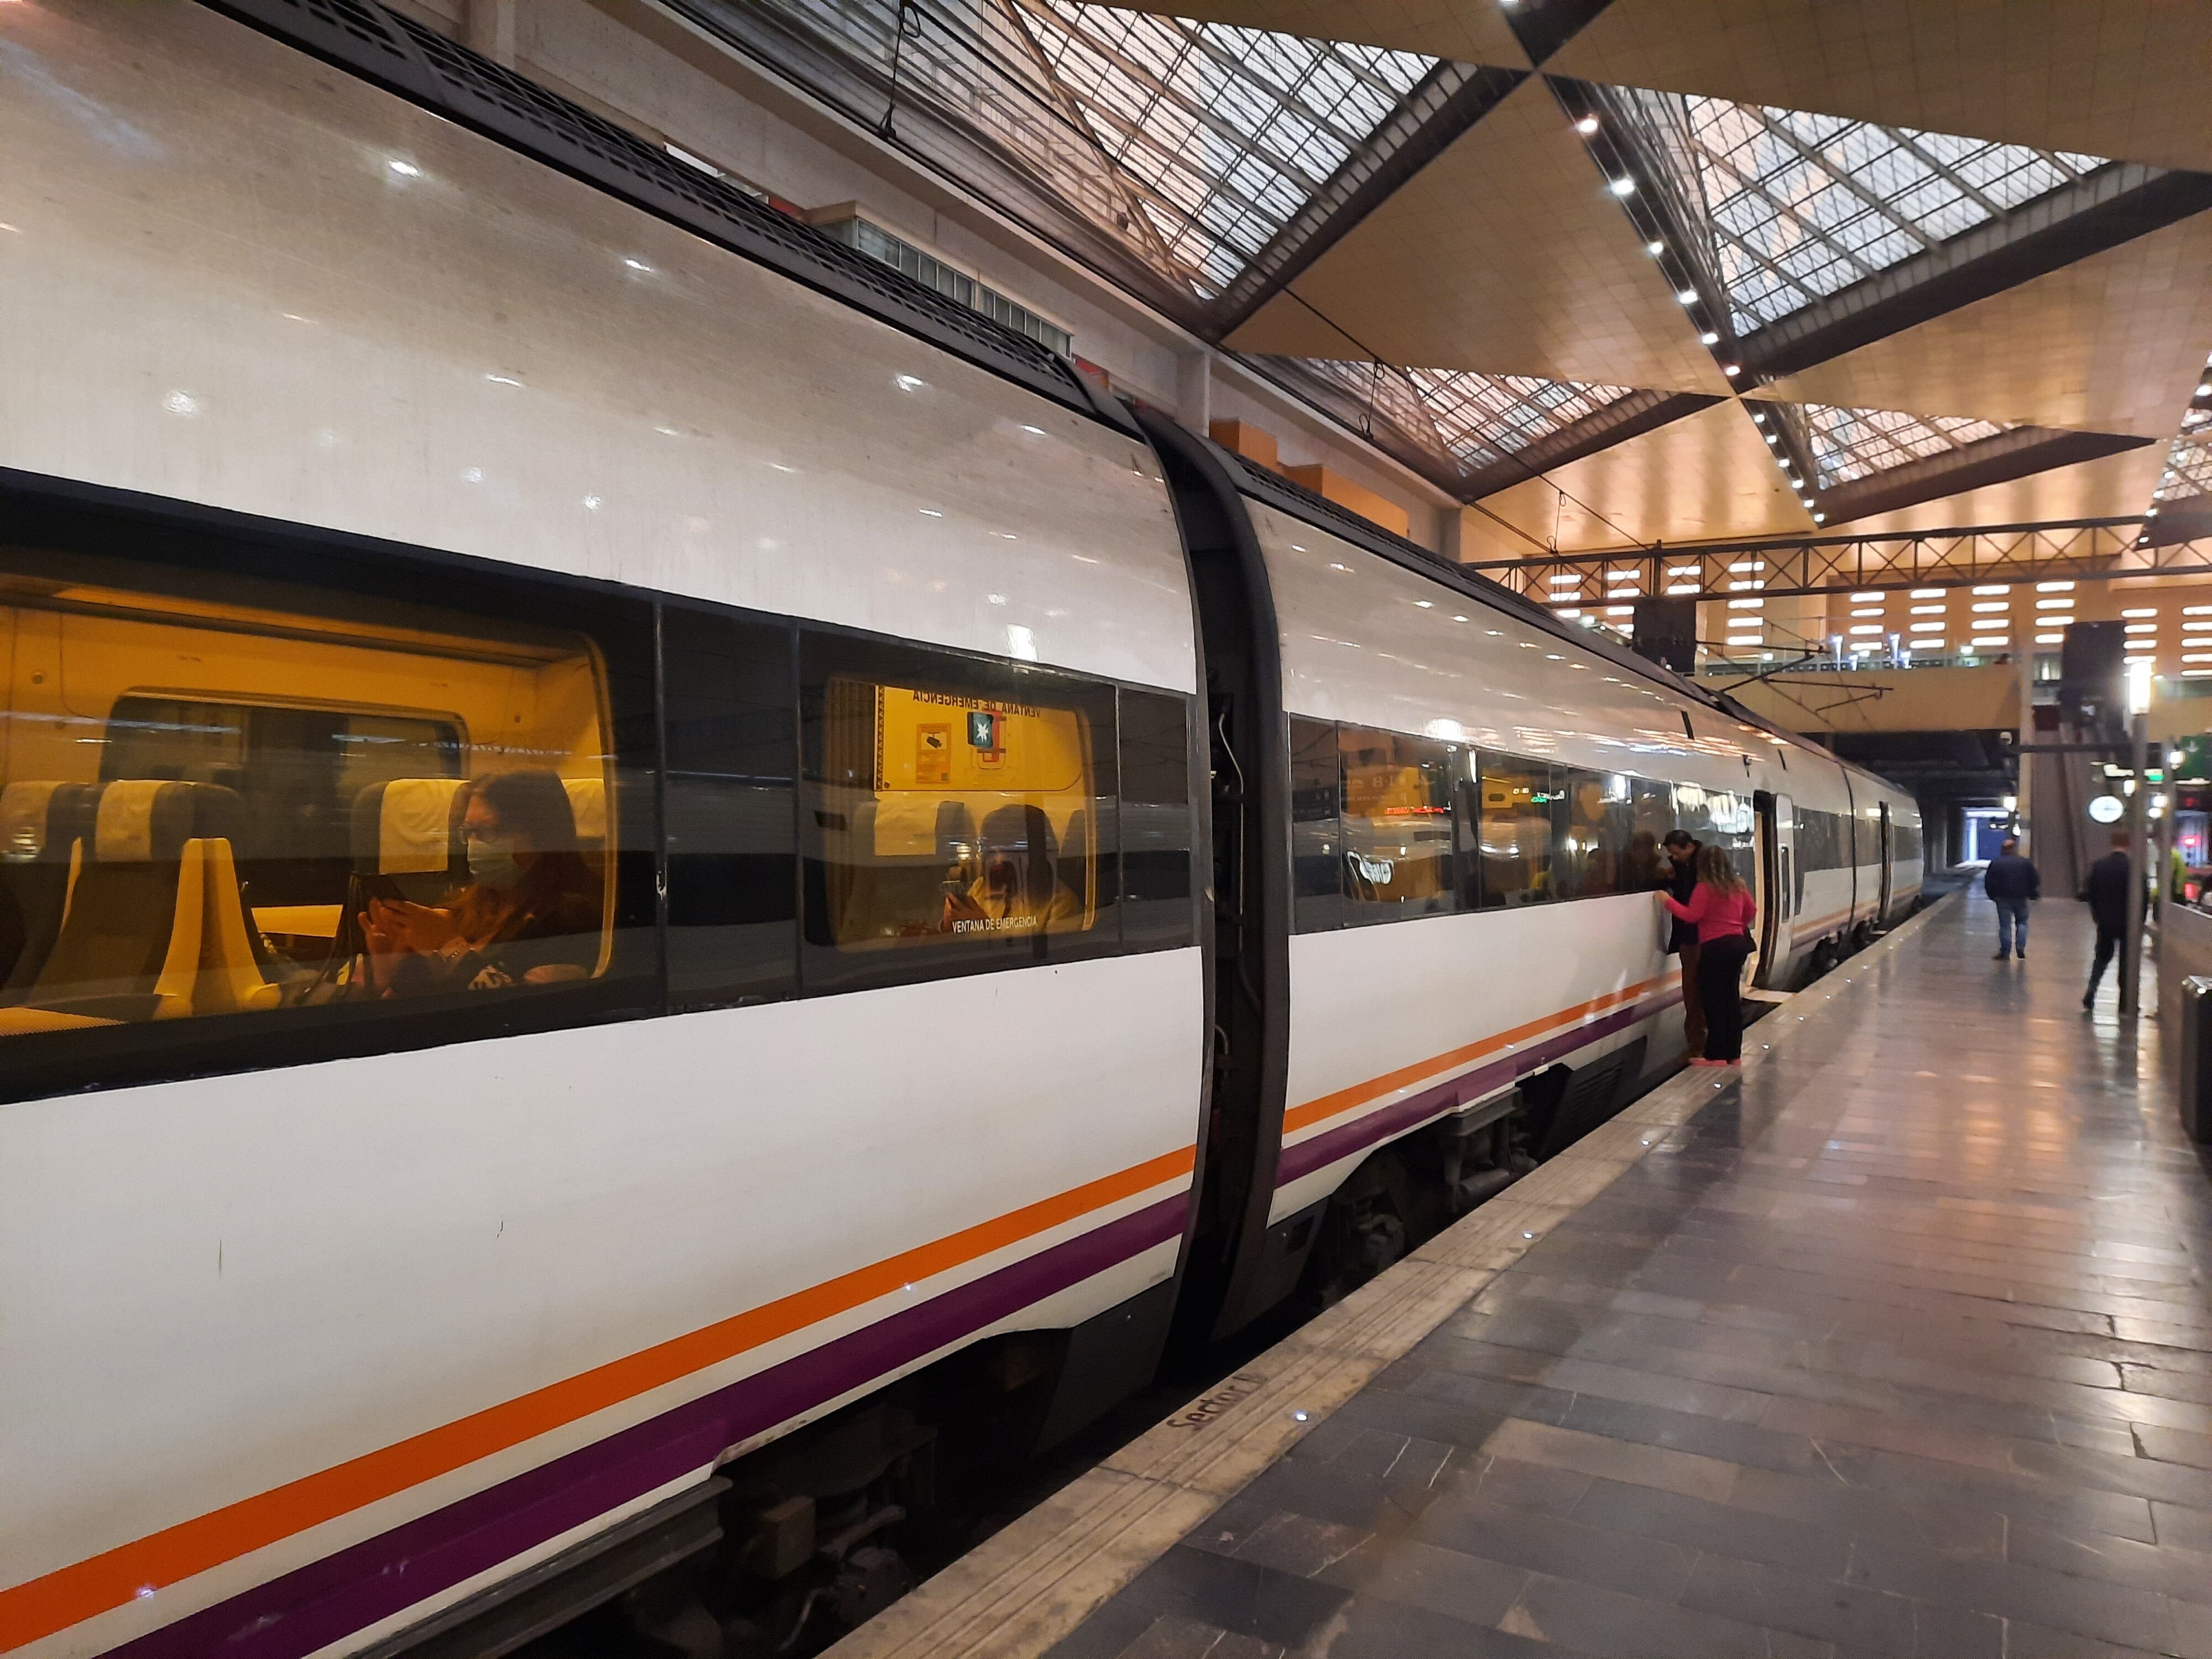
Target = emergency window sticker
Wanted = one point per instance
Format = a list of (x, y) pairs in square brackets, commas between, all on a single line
[(933, 755), (984, 734)]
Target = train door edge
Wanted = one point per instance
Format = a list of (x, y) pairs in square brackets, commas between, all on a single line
[(1887, 843), (1248, 937), (1778, 896), (1851, 817)]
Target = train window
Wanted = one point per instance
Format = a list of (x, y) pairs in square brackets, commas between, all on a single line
[(954, 814), (1722, 818), (731, 750), (1598, 854), (231, 795), (1155, 822), (1651, 815), (1515, 834), (1316, 836), (1395, 815), (294, 768)]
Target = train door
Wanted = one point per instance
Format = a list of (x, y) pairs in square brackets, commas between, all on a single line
[(1778, 886), (1887, 843), (1853, 836), (1222, 1276)]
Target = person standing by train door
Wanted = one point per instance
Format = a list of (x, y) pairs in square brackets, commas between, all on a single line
[(2011, 881), (1682, 881), (1722, 910)]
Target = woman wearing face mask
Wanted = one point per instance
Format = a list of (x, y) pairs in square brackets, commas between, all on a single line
[(531, 913)]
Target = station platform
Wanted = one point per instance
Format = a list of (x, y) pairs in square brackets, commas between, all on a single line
[(1899, 1345)]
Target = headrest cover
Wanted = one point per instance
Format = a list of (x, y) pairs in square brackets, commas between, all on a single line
[(23, 820), (124, 833), (415, 830), (587, 800)]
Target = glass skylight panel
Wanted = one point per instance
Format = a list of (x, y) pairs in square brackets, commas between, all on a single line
[(1800, 205), (1486, 418), (1386, 394), (1190, 145), (1849, 444), (2189, 461), (1476, 420), (1226, 131)]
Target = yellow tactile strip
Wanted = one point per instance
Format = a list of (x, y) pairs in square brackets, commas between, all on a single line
[(1034, 1581)]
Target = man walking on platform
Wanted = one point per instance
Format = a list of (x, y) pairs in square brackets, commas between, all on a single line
[(2106, 893), (2011, 881), (1681, 882)]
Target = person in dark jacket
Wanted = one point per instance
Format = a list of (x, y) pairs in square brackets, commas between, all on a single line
[(1681, 881), (2011, 881), (2106, 893)]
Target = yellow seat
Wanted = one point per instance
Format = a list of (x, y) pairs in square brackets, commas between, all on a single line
[(230, 979), (42, 826), (129, 947)]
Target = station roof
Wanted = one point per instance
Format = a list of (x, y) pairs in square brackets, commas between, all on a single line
[(1557, 255)]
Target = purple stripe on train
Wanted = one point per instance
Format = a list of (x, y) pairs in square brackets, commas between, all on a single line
[(316, 1604), (1321, 1151)]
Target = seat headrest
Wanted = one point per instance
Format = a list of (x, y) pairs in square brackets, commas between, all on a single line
[(142, 820), (588, 803), (23, 826), (414, 825)]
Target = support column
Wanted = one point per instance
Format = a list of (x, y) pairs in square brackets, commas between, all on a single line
[(488, 27), (1194, 389), (2023, 762), (2138, 861)]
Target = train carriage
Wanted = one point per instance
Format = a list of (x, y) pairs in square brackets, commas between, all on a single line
[(978, 882)]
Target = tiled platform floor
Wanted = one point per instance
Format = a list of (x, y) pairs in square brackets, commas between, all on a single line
[(1902, 1347)]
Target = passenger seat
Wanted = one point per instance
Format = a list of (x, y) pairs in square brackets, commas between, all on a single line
[(409, 830), (588, 804), (42, 824), (129, 946)]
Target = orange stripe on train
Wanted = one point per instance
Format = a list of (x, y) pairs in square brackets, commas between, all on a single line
[(1344, 1100), (70, 1595)]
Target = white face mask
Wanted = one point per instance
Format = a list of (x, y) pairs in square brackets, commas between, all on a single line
[(492, 862)]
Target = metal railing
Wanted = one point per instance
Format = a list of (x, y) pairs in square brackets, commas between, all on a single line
[(2074, 549)]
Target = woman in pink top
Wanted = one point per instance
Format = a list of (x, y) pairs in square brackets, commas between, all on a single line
[(1721, 908)]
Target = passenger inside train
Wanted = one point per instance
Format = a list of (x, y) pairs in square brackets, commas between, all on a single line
[(949, 814), (1020, 888), (263, 801), (531, 913)]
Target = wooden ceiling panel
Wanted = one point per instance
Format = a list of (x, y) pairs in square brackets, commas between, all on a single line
[(2112, 486), (1506, 255), (1468, 31), (2111, 343), (1703, 478), (2119, 78)]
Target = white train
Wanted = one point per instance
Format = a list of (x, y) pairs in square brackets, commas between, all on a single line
[(639, 862)]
